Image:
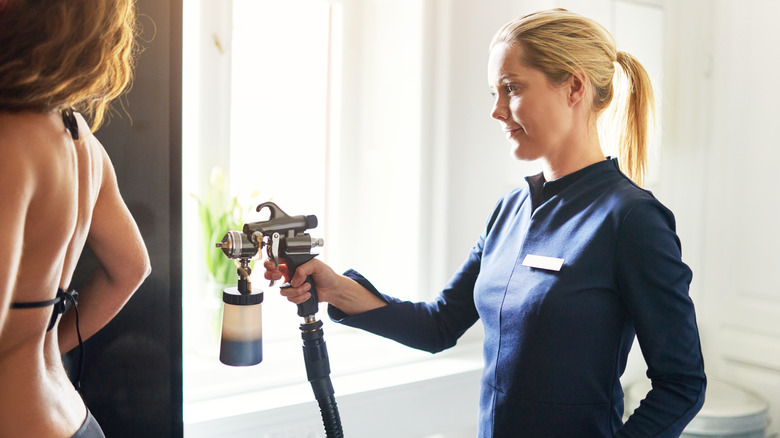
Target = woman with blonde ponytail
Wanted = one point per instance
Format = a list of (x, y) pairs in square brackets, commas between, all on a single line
[(570, 267)]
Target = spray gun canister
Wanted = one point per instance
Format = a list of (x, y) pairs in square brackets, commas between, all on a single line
[(242, 328), (242, 316)]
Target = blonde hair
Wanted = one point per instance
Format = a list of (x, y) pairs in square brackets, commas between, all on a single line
[(560, 43), (60, 54)]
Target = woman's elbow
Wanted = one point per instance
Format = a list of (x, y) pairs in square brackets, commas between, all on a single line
[(144, 268), (132, 272)]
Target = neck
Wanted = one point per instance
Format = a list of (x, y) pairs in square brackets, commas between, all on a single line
[(576, 153)]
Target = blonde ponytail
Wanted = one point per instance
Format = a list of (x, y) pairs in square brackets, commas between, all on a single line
[(636, 119)]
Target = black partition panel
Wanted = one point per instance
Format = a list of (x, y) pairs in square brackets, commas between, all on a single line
[(132, 379)]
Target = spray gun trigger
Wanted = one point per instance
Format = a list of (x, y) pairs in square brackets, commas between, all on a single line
[(272, 257), (275, 248), (272, 249)]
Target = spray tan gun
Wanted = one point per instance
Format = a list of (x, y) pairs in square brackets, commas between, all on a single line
[(287, 243), (289, 246)]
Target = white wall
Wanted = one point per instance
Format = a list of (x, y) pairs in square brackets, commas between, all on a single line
[(720, 179)]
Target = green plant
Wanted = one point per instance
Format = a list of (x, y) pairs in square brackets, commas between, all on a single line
[(219, 213)]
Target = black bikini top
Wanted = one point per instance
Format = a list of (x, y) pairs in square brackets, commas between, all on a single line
[(63, 299), (60, 304)]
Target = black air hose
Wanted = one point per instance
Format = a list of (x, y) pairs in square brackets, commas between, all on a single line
[(315, 355)]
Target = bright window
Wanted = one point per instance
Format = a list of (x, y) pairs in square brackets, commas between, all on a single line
[(279, 104), (314, 105)]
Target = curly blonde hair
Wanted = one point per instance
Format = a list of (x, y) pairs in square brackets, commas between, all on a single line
[(60, 54), (560, 43)]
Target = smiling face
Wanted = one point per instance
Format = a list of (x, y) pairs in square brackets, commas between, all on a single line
[(535, 114)]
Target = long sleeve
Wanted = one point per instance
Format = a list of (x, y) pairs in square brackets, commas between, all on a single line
[(430, 326), (653, 282)]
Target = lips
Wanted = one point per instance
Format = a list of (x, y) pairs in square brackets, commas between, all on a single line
[(510, 132)]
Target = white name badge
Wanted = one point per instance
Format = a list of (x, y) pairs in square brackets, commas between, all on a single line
[(542, 262)]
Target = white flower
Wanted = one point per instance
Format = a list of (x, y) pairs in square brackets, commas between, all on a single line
[(218, 178)]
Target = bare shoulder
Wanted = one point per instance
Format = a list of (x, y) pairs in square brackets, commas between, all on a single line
[(39, 165), (21, 138), (34, 136)]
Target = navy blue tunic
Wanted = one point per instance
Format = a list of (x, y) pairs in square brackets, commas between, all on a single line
[(557, 338)]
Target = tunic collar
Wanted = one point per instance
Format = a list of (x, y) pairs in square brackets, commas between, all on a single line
[(542, 190)]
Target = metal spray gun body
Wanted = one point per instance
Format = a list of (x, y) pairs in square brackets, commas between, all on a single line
[(286, 241)]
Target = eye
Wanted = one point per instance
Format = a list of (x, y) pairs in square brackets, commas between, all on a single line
[(505, 90)]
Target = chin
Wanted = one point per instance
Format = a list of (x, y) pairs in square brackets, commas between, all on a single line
[(524, 155)]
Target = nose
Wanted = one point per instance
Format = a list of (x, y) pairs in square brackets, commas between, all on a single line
[(500, 110)]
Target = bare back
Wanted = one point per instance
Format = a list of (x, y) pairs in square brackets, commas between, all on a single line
[(49, 185)]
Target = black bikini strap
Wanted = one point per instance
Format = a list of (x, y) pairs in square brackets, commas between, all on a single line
[(72, 298), (37, 304), (70, 122), (60, 304)]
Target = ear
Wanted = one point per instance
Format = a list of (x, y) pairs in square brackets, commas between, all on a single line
[(577, 87)]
